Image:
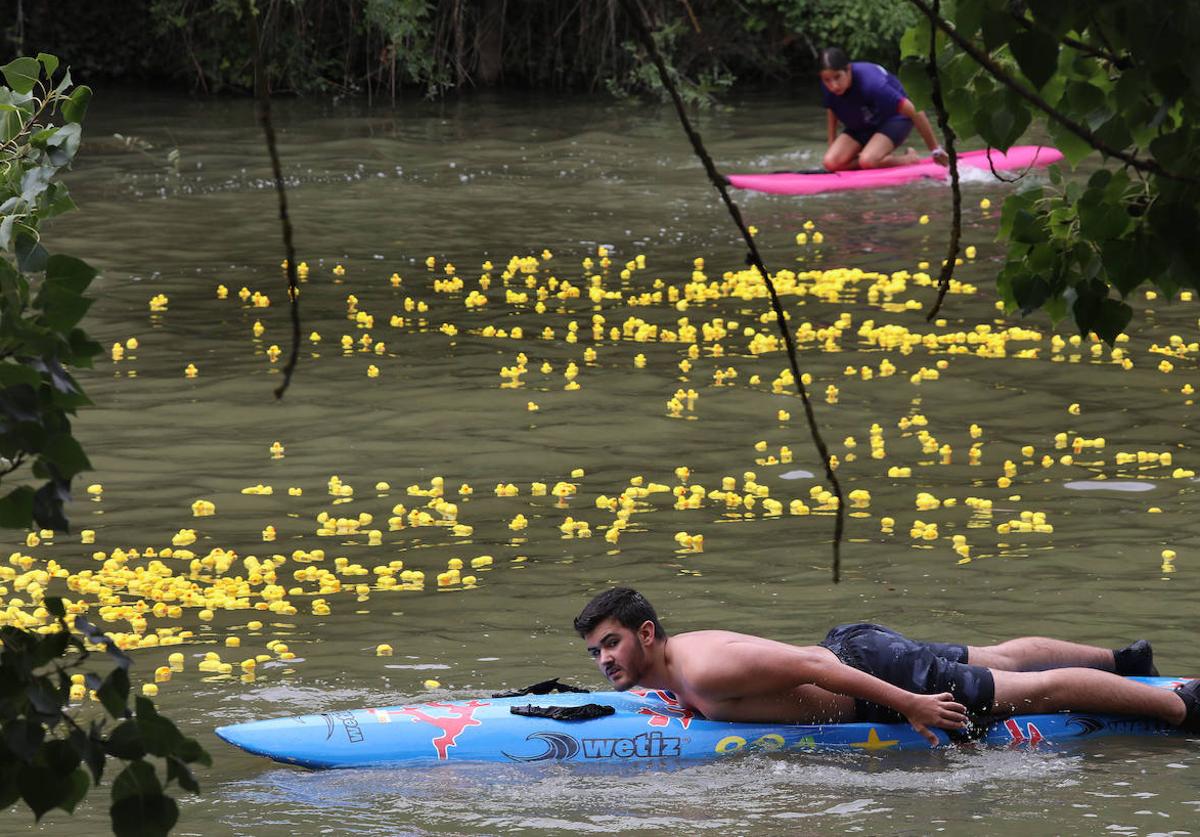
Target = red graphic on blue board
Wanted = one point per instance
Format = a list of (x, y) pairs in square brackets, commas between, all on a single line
[(460, 717), (1032, 735), (660, 716)]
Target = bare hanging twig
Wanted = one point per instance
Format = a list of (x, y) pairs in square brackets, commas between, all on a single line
[(633, 10), (998, 73), (264, 118), (935, 85)]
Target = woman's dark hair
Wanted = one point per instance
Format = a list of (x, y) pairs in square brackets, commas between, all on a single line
[(834, 58), (627, 606)]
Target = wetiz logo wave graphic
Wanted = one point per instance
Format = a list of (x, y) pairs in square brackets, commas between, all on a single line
[(558, 747)]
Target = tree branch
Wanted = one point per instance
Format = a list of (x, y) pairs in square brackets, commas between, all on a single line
[(633, 10), (264, 117), (935, 89)]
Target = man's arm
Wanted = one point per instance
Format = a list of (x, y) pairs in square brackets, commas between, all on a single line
[(831, 126), (921, 123), (749, 670)]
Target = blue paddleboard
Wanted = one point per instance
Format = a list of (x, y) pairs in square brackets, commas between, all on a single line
[(646, 725)]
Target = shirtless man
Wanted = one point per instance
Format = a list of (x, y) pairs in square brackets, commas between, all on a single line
[(864, 672)]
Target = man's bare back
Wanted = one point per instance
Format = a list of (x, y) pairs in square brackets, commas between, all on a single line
[(691, 657)]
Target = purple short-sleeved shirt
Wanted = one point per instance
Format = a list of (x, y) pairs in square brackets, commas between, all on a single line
[(874, 96)]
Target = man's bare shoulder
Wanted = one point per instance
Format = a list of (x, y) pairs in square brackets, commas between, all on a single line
[(704, 640), (704, 654)]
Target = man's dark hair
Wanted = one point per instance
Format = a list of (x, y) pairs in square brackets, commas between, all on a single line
[(834, 58), (627, 606)]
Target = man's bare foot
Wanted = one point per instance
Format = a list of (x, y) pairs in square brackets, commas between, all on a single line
[(908, 158)]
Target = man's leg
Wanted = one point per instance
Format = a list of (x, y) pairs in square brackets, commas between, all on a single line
[(1036, 653), (1083, 690)]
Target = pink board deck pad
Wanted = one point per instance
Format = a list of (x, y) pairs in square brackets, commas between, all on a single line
[(1018, 158)]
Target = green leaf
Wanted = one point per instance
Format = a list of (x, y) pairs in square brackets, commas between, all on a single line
[(64, 144), (915, 40), (916, 84), (16, 509), (49, 63), (18, 373), (138, 779), (23, 738), (1027, 228), (177, 771), (43, 788), (77, 789), (1113, 318), (67, 454), (998, 28), (1087, 103), (22, 74), (58, 200), (62, 309), (125, 741), (1094, 311), (90, 749), (968, 16), (1103, 221), (1131, 88), (1073, 147), (190, 751), (1029, 291), (1037, 55), (49, 647), (1172, 148), (31, 255), (35, 181), (1056, 308), (48, 502), (1001, 119), (114, 693), (1051, 15), (1115, 133), (144, 816), (76, 105), (1123, 264), (69, 272), (59, 756)]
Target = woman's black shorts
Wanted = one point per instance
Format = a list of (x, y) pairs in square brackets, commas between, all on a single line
[(926, 668)]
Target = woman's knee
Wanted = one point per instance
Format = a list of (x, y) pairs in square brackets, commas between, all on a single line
[(835, 162)]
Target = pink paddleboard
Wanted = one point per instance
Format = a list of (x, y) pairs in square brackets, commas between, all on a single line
[(1018, 158)]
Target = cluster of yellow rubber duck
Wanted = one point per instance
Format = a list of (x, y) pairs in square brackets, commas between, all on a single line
[(168, 593)]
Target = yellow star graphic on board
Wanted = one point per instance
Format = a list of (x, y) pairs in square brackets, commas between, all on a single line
[(873, 742)]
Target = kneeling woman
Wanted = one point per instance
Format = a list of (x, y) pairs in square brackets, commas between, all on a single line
[(878, 116)]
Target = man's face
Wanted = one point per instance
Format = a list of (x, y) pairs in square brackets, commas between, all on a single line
[(836, 81), (619, 652)]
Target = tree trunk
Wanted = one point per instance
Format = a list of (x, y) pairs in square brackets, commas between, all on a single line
[(489, 42)]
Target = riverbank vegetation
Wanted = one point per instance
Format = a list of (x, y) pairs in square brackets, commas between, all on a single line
[(430, 47)]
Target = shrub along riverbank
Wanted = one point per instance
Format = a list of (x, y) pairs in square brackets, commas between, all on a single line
[(389, 47)]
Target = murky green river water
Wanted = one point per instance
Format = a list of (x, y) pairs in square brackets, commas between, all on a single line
[(378, 191)]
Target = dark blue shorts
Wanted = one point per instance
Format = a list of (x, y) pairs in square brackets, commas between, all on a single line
[(927, 668), (895, 128)]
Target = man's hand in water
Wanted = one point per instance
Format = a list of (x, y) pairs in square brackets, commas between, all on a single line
[(942, 711), (940, 156)]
